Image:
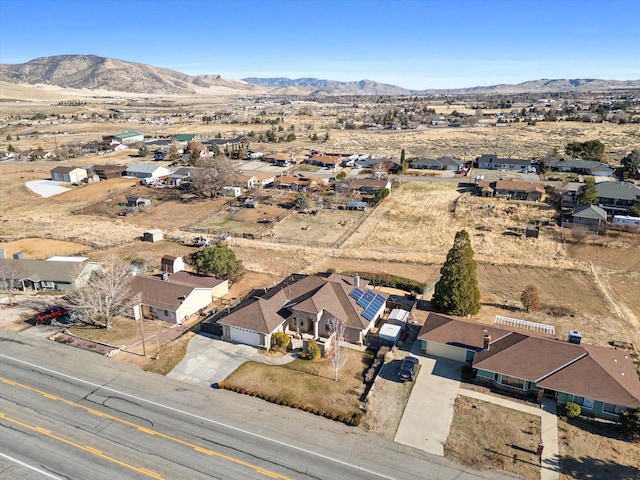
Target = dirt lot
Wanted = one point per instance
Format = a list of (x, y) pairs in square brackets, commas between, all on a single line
[(242, 219), (485, 435), (592, 449), (323, 228), (43, 248)]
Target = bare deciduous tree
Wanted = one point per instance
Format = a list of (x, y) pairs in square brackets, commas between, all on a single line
[(10, 274), (212, 176), (339, 354), (107, 293)]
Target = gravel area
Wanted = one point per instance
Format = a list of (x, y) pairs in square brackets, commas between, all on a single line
[(46, 188)]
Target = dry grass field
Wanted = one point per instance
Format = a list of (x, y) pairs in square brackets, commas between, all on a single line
[(485, 435), (422, 219)]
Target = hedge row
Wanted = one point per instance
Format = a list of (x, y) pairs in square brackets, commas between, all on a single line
[(393, 281), (353, 421)]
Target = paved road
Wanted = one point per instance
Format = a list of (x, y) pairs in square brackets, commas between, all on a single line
[(67, 413)]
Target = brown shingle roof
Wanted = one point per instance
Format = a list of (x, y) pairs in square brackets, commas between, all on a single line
[(447, 330), (604, 374), (309, 293), (191, 279), (158, 293)]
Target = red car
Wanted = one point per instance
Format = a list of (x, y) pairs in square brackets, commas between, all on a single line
[(44, 318)]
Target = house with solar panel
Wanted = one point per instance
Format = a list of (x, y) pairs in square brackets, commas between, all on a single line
[(304, 306)]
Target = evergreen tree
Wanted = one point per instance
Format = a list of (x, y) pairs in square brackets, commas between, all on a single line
[(588, 194), (456, 292), (631, 163), (218, 260), (403, 163)]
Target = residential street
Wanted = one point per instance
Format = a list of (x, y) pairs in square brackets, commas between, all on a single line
[(72, 414)]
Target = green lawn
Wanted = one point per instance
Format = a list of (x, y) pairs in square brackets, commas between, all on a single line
[(307, 383)]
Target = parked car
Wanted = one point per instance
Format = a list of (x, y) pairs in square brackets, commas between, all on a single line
[(45, 318), (408, 368)]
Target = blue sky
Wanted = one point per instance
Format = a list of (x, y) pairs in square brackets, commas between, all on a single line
[(410, 43)]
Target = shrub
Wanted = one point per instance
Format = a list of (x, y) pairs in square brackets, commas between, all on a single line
[(281, 340), (630, 424), (572, 410), (313, 350)]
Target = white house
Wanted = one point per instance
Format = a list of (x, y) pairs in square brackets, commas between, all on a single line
[(145, 170)]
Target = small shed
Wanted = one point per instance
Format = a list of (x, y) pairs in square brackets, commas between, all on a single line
[(399, 317), (532, 231), (137, 202), (230, 191), (154, 235), (172, 264)]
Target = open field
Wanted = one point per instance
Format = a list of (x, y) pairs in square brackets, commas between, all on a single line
[(485, 435), (423, 218)]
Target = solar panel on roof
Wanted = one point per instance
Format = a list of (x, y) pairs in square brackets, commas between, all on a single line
[(356, 293), (373, 307)]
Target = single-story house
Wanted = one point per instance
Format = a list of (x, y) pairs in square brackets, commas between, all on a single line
[(265, 179), (167, 301), (231, 144), (280, 159), (144, 170), (510, 189), (356, 205), (369, 185), (106, 172), (128, 138), (295, 184), (442, 163), (326, 161), (180, 176), (593, 216), (582, 167), (602, 380), (40, 154), (247, 181), (617, 197), (493, 162), (304, 306), (185, 138), (68, 174), (57, 273)]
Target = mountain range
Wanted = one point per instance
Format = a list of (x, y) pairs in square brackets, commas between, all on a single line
[(100, 73)]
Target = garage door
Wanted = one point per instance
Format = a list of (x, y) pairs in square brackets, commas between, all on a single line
[(242, 335), (447, 351)]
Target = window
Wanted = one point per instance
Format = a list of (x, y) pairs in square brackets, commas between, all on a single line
[(611, 408), (584, 402), (512, 382)]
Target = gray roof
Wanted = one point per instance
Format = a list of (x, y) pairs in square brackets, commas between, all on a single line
[(438, 162), (618, 190), (593, 212), (43, 270), (143, 168)]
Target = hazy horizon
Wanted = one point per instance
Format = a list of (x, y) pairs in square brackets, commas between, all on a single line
[(412, 44)]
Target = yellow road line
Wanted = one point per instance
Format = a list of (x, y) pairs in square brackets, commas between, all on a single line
[(91, 450), (146, 430)]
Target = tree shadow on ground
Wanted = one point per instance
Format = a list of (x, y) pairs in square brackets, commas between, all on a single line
[(589, 468)]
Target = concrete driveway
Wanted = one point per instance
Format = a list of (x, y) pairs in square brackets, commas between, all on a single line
[(209, 360), (427, 417)]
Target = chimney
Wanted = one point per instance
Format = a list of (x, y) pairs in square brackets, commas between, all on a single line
[(486, 340), (356, 280)]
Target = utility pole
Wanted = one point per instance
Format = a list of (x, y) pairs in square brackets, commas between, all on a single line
[(144, 348)]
